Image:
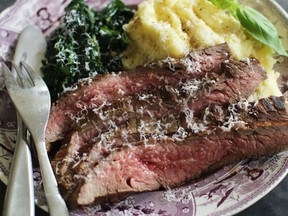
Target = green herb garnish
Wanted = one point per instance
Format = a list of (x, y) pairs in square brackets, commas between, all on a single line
[(254, 22), (87, 42)]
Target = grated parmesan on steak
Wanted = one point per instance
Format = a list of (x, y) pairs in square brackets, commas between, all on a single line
[(92, 92), (159, 126)]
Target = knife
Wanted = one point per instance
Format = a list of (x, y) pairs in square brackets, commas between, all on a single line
[(19, 197)]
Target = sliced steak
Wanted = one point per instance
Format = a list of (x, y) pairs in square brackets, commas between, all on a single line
[(73, 105), (160, 105), (243, 129)]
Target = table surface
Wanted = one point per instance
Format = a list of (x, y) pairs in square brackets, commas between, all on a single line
[(273, 204)]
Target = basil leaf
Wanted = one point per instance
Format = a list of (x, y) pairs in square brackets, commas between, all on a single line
[(254, 22), (229, 5), (260, 28)]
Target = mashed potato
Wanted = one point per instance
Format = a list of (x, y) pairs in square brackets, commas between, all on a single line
[(162, 28)]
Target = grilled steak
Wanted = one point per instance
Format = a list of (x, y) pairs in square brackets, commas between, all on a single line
[(161, 105), (242, 130), (92, 94), (161, 125)]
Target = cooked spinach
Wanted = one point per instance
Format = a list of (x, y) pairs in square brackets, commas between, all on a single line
[(86, 42)]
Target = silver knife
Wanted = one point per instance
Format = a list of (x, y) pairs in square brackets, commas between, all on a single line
[(19, 197)]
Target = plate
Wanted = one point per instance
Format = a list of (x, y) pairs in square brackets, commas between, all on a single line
[(224, 192)]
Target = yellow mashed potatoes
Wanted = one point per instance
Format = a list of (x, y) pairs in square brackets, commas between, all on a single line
[(162, 28)]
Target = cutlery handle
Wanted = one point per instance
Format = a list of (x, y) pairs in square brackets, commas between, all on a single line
[(19, 197), (56, 203)]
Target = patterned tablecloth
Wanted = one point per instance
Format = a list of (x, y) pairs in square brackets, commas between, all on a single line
[(275, 203)]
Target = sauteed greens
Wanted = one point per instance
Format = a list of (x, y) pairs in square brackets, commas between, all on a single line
[(85, 43)]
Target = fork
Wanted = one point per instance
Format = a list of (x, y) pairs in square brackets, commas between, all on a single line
[(33, 102)]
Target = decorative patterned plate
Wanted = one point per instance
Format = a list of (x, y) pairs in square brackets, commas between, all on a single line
[(225, 192)]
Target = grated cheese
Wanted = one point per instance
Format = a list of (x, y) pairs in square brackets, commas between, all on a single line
[(234, 120)]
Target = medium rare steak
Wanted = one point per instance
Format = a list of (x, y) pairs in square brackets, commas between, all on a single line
[(159, 126), (91, 94), (186, 99), (242, 130)]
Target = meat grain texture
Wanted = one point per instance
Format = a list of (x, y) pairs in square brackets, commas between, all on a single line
[(161, 125), (94, 93), (167, 163)]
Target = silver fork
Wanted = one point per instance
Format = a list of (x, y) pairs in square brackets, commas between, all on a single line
[(33, 105)]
